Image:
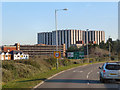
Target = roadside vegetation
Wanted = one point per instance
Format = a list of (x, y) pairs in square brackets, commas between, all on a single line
[(28, 73)]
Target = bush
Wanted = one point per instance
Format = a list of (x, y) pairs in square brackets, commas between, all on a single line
[(51, 61), (66, 62), (16, 69), (7, 75)]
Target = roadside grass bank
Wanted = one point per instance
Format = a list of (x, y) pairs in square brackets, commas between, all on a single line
[(41, 71)]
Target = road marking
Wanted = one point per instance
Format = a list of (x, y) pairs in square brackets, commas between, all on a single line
[(56, 75), (74, 71), (88, 76), (77, 71), (80, 71)]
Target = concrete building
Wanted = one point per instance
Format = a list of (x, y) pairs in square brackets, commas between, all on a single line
[(71, 37), (42, 50)]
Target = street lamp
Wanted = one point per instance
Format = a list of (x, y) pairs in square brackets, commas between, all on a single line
[(87, 45), (109, 49), (56, 32)]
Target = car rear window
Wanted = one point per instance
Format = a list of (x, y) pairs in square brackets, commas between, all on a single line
[(112, 67)]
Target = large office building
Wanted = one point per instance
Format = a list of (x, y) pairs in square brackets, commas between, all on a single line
[(71, 37)]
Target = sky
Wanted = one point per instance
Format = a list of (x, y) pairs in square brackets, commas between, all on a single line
[(21, 21)]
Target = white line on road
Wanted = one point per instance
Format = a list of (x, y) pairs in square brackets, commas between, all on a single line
[(88, 76), (80, 71), (56, 75), (97, 72), (77, 71)]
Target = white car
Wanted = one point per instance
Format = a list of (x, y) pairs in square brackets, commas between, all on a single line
[(110, 71)]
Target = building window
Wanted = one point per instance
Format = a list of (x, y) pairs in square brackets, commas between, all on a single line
[(64, 36)]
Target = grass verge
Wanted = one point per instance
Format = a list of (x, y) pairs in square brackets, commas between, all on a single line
[(36, 79)]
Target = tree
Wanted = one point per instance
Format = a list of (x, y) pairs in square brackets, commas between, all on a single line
[(102, 45)]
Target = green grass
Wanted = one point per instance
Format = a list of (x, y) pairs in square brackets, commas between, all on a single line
[(35, 79)]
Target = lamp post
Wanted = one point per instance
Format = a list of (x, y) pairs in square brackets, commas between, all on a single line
[(87, 45), (56, 32), (109, 49)]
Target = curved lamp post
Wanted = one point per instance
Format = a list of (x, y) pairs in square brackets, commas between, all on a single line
[(56, 32)]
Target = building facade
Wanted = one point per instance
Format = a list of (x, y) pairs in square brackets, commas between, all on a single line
[(42, 50), (5, 56), (12, 52), (71, 37), (18, 55), (9, 48)]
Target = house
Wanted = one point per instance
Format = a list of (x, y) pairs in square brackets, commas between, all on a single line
[(2, 56), (5, 56), (17, 55), (9, 48)]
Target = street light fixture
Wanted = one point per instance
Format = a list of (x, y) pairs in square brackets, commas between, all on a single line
[(56, 32)]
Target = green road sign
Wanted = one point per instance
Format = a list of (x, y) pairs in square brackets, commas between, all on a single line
[(75, 55)]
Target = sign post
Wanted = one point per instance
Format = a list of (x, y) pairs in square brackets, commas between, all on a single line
[(57, 55)]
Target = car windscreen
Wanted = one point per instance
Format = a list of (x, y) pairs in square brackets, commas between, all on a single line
[(112, 67)]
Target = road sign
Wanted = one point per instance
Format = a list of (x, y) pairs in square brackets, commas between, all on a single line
[(57, 54), (75, 55)]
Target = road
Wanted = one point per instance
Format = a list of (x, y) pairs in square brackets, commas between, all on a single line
[(81, 77)]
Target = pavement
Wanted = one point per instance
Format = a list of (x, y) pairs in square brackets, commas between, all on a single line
[(81, 77)]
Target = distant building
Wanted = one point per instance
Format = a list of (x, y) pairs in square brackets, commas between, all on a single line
[(71, 37), (5, 56), (2, 56), (9, 48), (17, 55), (12, 52), (42, 50), (0, 49)]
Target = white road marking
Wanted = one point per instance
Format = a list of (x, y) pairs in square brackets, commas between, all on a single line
[(56, 75), (74, 71), (88, 76), (80, 71), (77, 71)]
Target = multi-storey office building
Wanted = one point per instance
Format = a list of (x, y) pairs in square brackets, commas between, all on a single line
[(71, 37)]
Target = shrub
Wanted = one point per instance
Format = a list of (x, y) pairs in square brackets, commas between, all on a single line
[(51, 61), (66, 62), (7, 75), (15, 69)]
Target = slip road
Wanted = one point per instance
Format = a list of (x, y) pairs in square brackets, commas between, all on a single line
[(81, 77)]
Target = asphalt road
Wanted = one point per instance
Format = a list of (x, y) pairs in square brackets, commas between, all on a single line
[(80, 77)]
